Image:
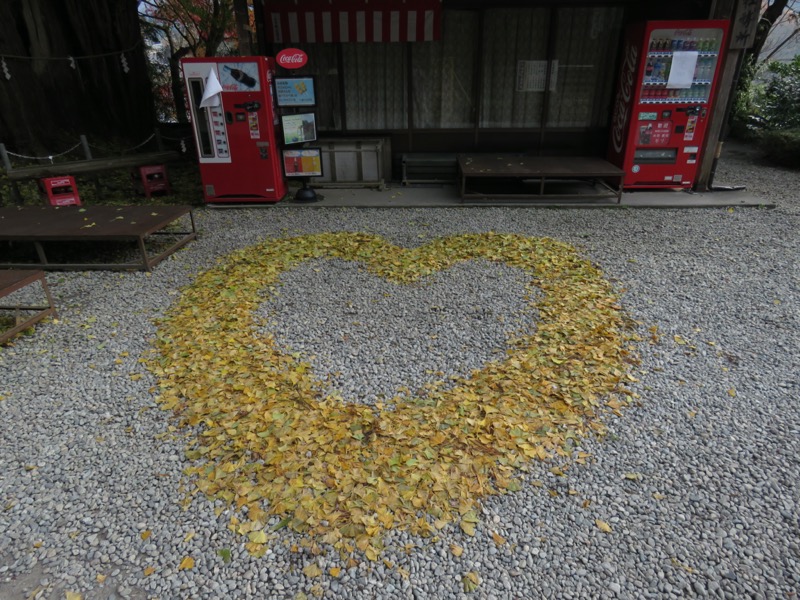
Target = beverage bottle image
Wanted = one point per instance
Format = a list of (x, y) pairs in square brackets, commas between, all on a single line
[(648, 71), (240, 76)]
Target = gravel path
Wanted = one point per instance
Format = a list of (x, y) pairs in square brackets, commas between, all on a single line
[(700, 481)]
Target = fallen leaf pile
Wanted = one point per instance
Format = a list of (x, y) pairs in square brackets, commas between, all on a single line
[(268, 439)]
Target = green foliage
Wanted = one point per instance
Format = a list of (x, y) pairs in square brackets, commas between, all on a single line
[(744, 115), (781, 100), (770, 102), (782, 147)]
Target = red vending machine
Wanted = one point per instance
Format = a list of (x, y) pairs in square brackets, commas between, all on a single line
[(233, 116), (667, 86)]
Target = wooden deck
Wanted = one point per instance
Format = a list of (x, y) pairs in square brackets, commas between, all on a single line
[(42, 226), (489, 176)]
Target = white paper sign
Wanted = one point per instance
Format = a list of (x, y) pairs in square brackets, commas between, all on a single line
[(211, 93), (532, 74), (681, 74)]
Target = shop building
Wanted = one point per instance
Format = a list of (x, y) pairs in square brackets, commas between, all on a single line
[(451, 76)]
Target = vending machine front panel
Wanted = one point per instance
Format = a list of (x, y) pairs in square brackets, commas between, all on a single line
[(666, 90)]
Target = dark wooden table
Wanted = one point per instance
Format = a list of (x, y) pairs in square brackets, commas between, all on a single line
[(502, 168), (10, 282), (39, 225)]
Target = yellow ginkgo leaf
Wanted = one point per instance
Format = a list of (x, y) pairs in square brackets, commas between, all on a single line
[(602, 526), (468, 527), (149, 571), (312, 570), (498, 539), (456, 550), (100, 578), (257, 537), (335, 571), (470, 581), (145, 534), (72, 596), (186, 564)]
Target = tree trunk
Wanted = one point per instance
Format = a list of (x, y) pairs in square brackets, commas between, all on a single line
[(176, 82), (50, 99), (768, 18)]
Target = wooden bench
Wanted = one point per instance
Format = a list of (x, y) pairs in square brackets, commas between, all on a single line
[(121, 225), (489, 176), (10, 282), (429, 168)]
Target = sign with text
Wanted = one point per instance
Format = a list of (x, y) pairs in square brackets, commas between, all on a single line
[(295, 91), (291, 58)]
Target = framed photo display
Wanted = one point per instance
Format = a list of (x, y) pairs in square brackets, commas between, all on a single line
[(305, 162), (295, 91), (299, 128)]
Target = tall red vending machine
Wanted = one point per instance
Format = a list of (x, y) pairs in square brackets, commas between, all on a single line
[(234, 119), (665, 95)]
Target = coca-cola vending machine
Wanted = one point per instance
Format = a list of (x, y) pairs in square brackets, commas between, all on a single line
[(234, 120), (667, 86)]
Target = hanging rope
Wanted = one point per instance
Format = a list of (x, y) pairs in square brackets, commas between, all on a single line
[(71, 59), (152, 135), (124, 150), (50, 157)]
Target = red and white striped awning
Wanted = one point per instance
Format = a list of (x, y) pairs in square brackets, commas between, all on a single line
[(315, 21)]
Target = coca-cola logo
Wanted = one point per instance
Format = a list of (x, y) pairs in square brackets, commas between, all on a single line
[(292, 58), (621, 108)]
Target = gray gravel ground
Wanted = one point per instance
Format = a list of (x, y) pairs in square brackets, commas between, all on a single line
[(700, 481)]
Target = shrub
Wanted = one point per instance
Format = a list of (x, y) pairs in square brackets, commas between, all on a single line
[(780, 102), (769, 99), (782, 147)]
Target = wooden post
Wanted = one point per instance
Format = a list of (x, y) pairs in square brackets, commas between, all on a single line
[(712, 146), (5, 159), (242, 16), (261, 36), (15, 193), (85, 143)]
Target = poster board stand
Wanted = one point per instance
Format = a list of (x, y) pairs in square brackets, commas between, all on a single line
[(306, 193)]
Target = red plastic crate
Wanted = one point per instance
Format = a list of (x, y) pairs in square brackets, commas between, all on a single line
[(60, 191), (150, 179)]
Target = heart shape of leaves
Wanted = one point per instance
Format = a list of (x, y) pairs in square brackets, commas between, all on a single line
[(267, 438)]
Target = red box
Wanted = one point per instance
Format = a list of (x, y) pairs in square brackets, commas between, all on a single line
[(60, 191)]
